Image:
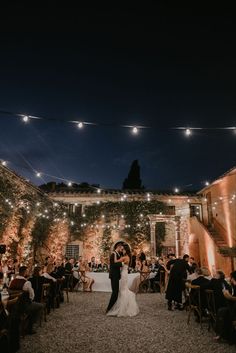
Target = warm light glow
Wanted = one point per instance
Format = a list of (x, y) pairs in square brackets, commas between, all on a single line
[(188, 132), (176, 190), (99, 191), (207, 183), (4, 163), (25, 119), (69, 183), (135, 130), (38, 175), (80, 125)]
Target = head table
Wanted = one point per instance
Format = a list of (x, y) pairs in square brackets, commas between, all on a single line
[(102, 282)]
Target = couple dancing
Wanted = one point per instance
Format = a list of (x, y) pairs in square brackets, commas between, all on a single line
[(123, 301)]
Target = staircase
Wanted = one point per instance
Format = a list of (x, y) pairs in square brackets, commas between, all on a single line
[(219, 236)]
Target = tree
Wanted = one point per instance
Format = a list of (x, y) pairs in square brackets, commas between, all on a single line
[(133, 181)]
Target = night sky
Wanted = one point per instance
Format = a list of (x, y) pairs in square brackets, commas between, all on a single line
[(159, 67)]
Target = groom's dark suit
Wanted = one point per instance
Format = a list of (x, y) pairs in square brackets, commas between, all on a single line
[(114, 275)]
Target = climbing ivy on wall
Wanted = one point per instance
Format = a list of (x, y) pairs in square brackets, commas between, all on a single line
[(133, 213)]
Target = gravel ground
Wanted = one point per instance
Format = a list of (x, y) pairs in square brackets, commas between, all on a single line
[(82, 327)]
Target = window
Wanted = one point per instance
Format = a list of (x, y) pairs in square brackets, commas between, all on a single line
[(72, 251), (196, 211)]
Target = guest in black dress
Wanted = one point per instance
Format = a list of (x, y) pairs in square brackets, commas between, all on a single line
[(176, 284)]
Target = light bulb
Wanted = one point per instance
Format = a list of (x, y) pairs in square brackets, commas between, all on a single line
[(207, 183), (69, 183), (135, 130), (25, 119), (38, 174), (188, 132), (176, 190), (80, 125), (4, 163)]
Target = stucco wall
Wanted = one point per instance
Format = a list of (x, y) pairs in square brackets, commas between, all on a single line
[(204, 250)]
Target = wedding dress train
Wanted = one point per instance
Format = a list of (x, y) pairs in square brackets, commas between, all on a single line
[(126, 304)]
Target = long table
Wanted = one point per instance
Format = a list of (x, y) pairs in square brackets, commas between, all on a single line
[(102, 282)]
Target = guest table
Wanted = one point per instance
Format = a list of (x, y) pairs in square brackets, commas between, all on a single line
[(102, 281)]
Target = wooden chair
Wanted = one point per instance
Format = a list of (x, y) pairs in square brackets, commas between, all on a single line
[(11, 303), (144, 284), (45, 301), (211, 308), (68, 286), (161, 282), (57, 298), (194, 304)]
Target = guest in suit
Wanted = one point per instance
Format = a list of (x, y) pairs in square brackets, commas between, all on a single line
[(102, 266), (32, 309), (176, 284), (158, 269), (114, 273), (37, 281), (92, 264), (202, 282), (69, 264), (227, 315)]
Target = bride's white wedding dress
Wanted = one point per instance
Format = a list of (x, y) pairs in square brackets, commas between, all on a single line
[(126, 304)]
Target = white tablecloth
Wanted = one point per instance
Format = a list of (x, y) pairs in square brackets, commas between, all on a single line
[(102, 282)]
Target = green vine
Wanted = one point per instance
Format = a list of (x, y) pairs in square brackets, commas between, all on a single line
[(134, 213)]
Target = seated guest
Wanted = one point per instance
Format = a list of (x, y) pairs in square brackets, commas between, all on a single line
[(92, 264), (144, 275), (47, 270), (159, 269), (86, 280), (68, 266), (154, 266), (226, 316), (59, 270), (202, 282), (102, 266), (206, 273), (32, 309), (218, 284), (37, 281)]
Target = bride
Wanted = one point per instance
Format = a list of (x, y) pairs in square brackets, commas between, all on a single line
[(126, 304)]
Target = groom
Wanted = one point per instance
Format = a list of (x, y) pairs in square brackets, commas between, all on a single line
[(114, 274)]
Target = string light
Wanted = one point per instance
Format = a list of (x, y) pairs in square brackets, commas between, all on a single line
[(176, 190), (4, 163), (38, 175), (69, 183), (99, 191), (188, 132), (207, 183), (25, 119), (135, 130), (80, 125)]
